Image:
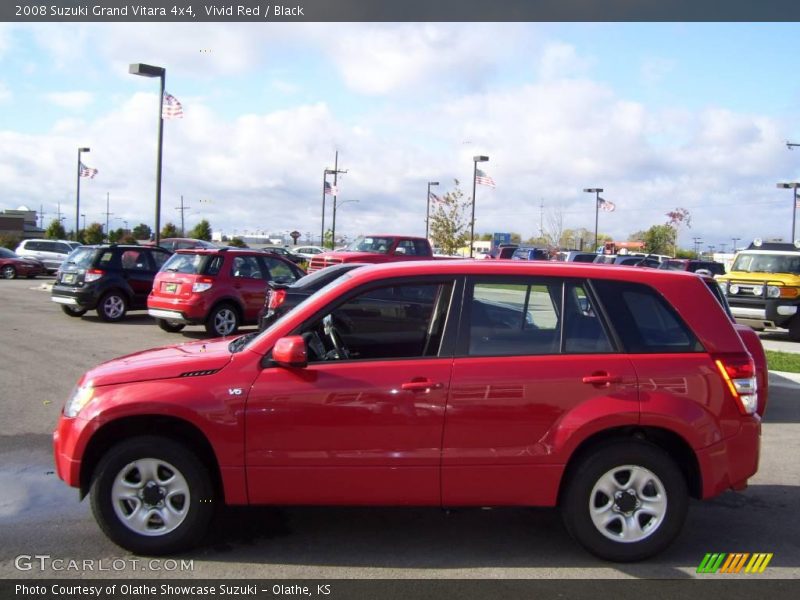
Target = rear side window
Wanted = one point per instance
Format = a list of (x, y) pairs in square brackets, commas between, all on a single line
[(135, 260), (644, 320)]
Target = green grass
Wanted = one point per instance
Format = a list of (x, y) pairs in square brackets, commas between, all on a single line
[(787, 362)]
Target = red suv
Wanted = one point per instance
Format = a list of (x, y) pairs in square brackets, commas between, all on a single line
[(222, 288), (614, 393)]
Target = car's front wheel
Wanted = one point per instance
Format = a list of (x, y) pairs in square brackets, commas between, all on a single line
[(151, 495), (223, 320), (170, 326), (112, 307), (9, 272), (72, 311), (625, 501)]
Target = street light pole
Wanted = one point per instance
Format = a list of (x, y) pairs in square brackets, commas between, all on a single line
[(794, 186), (78, 193), (475, 161), (160, 72), (734, 244), (596, 192), (428, 210)]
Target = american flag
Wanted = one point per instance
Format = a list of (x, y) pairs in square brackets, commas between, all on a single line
[(87, 171), (797, 203), (481, 178), (606, 205), (331, 190), (433, 197), (171, 108)]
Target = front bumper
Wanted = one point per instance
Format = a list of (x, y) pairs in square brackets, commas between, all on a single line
[(763, 312)]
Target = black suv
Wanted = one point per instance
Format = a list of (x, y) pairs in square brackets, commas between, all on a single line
[(112, 279)]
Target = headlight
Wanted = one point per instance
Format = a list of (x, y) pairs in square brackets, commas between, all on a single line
[(773, 292), (734, 289), (79, 398)]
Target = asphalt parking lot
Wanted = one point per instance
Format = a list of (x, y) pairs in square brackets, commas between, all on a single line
[(44, 352)]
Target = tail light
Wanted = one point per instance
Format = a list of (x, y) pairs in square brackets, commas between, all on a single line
[(93, 275), (202, 284), (739, 373), (276, 298)]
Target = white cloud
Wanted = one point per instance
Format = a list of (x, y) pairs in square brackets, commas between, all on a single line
[(5, 93), (71, 100), (560, 60), (653, 70)]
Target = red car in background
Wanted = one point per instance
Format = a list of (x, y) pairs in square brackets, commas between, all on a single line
[(221, 288), (12, 265), (613, 393)]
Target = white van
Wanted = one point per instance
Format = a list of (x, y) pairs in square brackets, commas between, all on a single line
[(50, 252)]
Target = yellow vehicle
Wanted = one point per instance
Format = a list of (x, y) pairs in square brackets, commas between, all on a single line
[(763, 286)]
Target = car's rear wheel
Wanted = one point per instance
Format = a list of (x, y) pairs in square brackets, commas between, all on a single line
[(72, 311), (112, 306), (170, 326), (223, 320), (151, 495), (9, 272), (625, 501)]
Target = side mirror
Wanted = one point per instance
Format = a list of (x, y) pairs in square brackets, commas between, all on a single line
[(290, 351)]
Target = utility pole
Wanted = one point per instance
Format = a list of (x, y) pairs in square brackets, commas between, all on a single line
[(107, 214), (541, 218), (41, 216), (182, 208), (336, 171), (734, 243), (697, 242)]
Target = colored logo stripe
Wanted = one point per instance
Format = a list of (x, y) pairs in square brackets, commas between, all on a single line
[(722, 562)]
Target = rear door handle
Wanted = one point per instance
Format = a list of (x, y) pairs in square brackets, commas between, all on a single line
[(602, 379), (421, 386)]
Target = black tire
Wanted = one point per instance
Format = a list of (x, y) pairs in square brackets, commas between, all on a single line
[(9, 272), (661, 482), (112, 306), (128, 462), (223, 320), (71, 311), (170, 326), (794, 329)]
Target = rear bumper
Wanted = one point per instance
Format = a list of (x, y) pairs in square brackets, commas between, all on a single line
[(730, 463), (188, 311), (83, 298)]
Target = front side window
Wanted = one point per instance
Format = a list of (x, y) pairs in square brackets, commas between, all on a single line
[(399, 321), (279, 271)]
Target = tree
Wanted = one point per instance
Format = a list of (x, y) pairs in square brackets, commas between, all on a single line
[(327, 241), (55, 231), (237, 242), (142, 232), (578, 239), (659, 239), (115, 236), (554, 227), (9, 241), (201, 231), (93, 234), (449, 222), (169, 231), (678, 218)]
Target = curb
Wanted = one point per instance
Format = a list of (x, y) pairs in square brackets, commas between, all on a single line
[(793, 377)]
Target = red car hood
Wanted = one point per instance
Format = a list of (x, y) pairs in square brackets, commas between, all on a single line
[(162, 363)]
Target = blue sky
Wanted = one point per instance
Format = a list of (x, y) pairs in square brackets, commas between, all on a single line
[(660, 115)]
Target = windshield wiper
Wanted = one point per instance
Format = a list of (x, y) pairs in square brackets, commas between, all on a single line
[(239, 343)]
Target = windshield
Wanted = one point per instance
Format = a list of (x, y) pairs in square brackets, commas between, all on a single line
[(237, 346), (379, 245), (767, 263)]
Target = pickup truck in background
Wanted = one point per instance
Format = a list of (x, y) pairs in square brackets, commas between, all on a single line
[(375, 249)]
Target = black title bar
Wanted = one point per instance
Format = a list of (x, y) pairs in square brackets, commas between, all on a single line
[(398, 10)]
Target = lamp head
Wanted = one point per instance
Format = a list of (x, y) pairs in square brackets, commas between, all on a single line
[(146, 70), (478, 159)]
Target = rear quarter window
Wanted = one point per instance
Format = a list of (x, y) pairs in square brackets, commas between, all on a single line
[(644, 321)]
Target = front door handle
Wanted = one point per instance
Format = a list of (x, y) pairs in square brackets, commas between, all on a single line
[(602, 379), (421, 386)]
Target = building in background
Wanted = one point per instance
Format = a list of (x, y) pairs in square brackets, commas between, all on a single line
[(20, 223)]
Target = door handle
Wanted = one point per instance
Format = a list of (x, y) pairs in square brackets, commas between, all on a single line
[(421, 386), (602, 379)]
